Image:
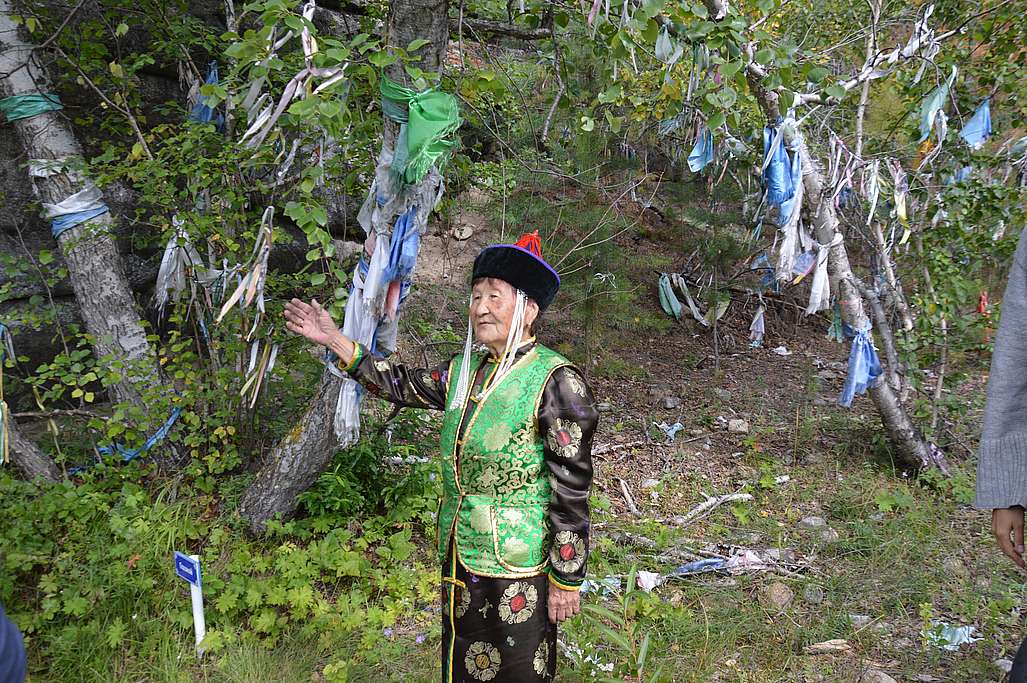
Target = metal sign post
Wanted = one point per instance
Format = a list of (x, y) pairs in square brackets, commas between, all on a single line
[(188, 568)]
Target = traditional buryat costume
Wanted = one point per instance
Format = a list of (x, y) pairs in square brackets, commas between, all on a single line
[(517, 466)]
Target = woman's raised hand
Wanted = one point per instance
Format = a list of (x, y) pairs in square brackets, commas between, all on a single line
[(311, 321)]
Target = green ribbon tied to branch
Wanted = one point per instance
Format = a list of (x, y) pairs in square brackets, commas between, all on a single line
[(427, 121), (25, 106)]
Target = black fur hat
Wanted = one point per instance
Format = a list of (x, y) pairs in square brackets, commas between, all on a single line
[(521, 265)]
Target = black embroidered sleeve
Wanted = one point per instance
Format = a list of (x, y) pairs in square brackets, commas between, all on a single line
[(567, 420), (395, 382)]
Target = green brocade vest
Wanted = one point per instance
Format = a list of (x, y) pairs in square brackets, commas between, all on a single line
[(495, 483)]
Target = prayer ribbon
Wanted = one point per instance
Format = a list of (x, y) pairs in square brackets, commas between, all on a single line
[(978, 128), (429, 116), (6, 349), (131, 454), (702, 152), (203, 112), (864, 365), (933, 104), (668, 301), (75, 210), (19, 107)]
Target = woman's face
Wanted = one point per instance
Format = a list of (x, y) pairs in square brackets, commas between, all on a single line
[(492, 308)]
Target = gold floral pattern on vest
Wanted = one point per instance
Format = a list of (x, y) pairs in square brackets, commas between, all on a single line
[(496, 490)]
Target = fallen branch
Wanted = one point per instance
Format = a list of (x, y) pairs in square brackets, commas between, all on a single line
[(627, 497), (610, 448), (500, 28), (47, 414), (706, 507)]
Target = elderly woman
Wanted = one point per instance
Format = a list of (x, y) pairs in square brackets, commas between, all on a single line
[(513, 524)]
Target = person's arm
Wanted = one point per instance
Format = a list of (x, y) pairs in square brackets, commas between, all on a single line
[(567, 420), (414, 388), (1002, 460)]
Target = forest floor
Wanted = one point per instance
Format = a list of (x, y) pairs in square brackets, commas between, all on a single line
[(837, 545)]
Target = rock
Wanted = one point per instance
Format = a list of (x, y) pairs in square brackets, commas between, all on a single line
[(1004, 665), (466, 223), (778, 596), (903, 644), (812, 522), (650, 483), (604, 407), (738, 426), (955, 567), (877, 517), (722, 394), (814, 595), (462, 231), (671, 402), (876, 676), (777, 554), (829, 535), (828, 647), (860, 620), (822, 402)]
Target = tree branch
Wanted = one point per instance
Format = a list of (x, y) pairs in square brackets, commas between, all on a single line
[(499, 28)]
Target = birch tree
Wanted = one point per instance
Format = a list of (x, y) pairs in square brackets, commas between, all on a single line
[(744, 59), (95, 268), (422, 27)]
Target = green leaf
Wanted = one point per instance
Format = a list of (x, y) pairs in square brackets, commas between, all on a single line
[(699, 10), (614, 121), (561, 19), (604, 613), (729, 69), (765, 56), (588, 124), (816, 74), (787, 98), (836, 91), (611, 94), (46, 257), (417, 44), (643, 652), (715, 121), (121, 30), (318, 279), (382, 59), (616, 638)]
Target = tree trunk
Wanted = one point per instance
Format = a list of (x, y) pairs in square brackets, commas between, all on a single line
[(296, 462), (300, 458), (26, 456), (911, 449), (94, 265)]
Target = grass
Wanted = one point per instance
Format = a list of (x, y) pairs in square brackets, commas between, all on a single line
[(895, 567)]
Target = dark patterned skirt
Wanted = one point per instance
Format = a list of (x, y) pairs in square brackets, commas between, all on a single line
[(495, 629)]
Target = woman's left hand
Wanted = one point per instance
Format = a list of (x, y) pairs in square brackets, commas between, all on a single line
[(563, 604)]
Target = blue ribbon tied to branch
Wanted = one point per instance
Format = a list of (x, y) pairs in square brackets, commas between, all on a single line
[(702, 152), (978, 128), (864, 364)]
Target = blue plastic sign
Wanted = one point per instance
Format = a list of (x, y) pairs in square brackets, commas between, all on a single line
[(187, 568)]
